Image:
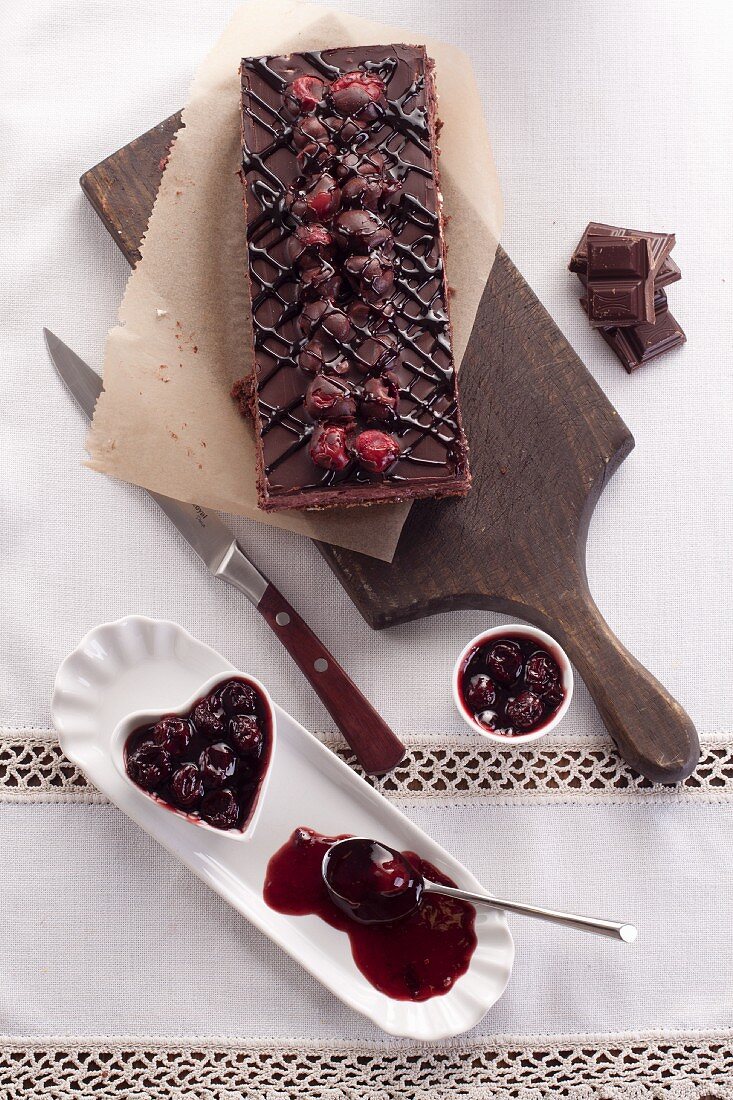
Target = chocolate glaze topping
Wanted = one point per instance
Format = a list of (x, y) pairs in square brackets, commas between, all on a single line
[(349, 300)]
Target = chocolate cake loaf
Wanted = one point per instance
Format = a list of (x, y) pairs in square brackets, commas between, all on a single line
[(353, 393)]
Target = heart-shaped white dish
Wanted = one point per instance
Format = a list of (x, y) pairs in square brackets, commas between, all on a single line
[(141, 718)]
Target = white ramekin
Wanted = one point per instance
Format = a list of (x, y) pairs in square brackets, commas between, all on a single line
[(543, 640)]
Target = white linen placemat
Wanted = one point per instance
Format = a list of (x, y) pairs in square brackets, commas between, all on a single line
[(103, 933), (96, 915)]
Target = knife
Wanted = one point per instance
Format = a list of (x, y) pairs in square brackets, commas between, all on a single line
[(376, 747)]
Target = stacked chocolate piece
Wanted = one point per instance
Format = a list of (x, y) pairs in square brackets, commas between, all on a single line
[(624, 272)]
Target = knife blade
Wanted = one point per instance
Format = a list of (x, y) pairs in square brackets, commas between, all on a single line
[(376, 747)]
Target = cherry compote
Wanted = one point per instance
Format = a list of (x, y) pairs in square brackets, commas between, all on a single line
[(412, 959), (209, 763), (370, 882), (511, 685)]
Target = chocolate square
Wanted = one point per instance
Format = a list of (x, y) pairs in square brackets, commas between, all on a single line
[(620, 289), (664, 269), (612, 257), (616, 303), (660, 297), (638, 344), (648, 341), (669, 272)]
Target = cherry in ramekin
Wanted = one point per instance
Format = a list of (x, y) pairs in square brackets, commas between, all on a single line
[(512, 683)]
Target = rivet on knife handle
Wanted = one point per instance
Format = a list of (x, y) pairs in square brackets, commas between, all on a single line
[(376, 747)]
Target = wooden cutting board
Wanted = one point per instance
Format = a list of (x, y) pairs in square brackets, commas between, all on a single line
[(544, 441)]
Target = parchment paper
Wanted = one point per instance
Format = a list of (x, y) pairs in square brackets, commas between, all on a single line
[(165, 419)]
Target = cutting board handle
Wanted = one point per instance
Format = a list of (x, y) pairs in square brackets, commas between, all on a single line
[(650, 729)]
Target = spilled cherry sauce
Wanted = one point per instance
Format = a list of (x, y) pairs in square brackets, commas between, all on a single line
[(413, 959)]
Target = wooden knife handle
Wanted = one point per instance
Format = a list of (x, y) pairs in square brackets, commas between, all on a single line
[(650, 729), (375, 745)]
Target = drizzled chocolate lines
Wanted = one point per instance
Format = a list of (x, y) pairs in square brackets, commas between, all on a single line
[(259, 65), (425, 374)]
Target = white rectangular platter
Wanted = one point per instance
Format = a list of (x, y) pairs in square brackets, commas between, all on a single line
[(138, 663)]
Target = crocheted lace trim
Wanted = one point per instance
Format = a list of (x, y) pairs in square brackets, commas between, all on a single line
[(653, 1066), (32, 766)]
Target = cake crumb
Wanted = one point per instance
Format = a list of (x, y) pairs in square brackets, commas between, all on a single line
[(241, 392)]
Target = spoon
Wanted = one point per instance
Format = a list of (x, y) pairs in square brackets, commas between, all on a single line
[(374, 884)]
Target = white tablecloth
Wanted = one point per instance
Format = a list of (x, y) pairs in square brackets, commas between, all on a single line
[(620, 113), (616, 112)]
